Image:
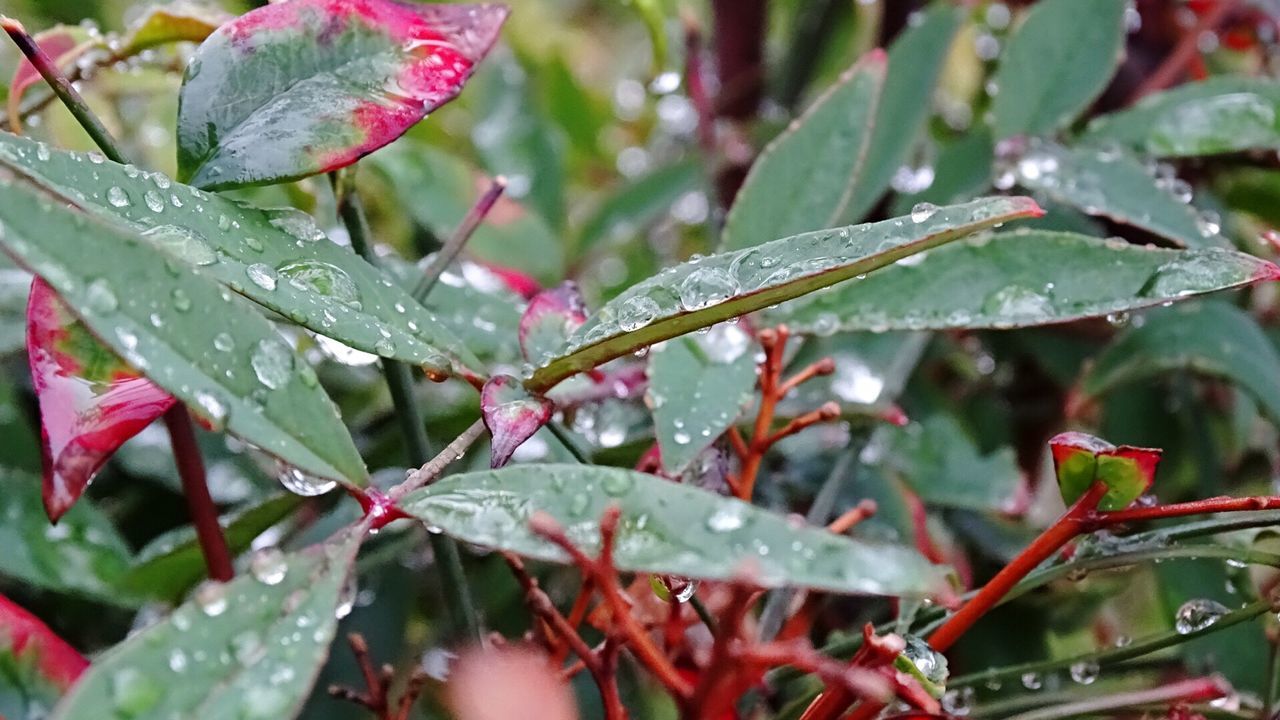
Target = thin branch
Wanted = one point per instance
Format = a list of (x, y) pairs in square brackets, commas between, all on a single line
[(1194, 690), (432, 469), (195, 488), (453, 246), (1101, 519), (1185, 51)]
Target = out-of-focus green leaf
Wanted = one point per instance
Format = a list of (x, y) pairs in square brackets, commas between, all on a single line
[(300, 88), (141, 303), (1019, 279), (277, 258), (14, 285), (174, 22), (1057, 61), (173, 564), (437, 190), (82, 554), (962, 170), (1113, 185), (915, 61), (698, 385), (944, 466), (1222, 114), (806, 178), (250, 648), (638, 204), (703, 292), (1208, 337), (666, 528)]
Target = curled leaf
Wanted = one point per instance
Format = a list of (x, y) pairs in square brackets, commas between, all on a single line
[(91, 401), (1080, 459), (552, 316), (512, 415)]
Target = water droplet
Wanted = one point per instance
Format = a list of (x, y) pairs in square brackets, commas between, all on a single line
[(154, 202), (1016, 304), (182, 243), (297, 224), (262, 275), (1197, 614), (923, 211), (323, 279), (681, 437), (177, 660), (728, 517), (300, 483), (223, 342), (272, 362), (134, 692), (181, 301), (704, 287), (253, 244), (930, 663), (617, 484), (1032, 681), (211, 598), (1118, 319), (1084, 672), (247, 648), (958, 702), (99, 297), (346, 599), (212, 408), (117, 197), (636, 312), (268, 566)]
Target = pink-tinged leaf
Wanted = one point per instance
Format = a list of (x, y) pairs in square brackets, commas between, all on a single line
[(517, 282), (91, 402), (531, 686), (23, 634), (552, 316), (512, 415), (61, 43), (1081, 459), (307, 86)]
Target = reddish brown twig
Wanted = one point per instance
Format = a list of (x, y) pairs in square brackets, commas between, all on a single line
[(195, 488), (851, 517), (377, 694), (695, 78), (1185, 51)]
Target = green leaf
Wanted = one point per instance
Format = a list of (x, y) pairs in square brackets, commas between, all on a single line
[(173, 563), (1223, 114), (510, 236), (145, 307), (635, 206), (301, 88), (698, 386), (1056, 63), (1018, 279), (1209, 337), (82, 554), (1111, 184), (666, 528), (963, 169), (805, 179), (277, 258), (944, 466), (915, 62), (1080, 460), (703, 292), (176, 22), (250, 648)]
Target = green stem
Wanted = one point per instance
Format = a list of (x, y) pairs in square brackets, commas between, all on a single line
[(63, 88), (568, 442), (400, 383)]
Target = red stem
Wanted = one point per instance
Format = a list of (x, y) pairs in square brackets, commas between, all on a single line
[(1098, 520), (1186, 50), (204, 514)]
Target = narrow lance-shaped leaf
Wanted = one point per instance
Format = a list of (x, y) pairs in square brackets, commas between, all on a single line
[(944, 466), (1209, 337), (277, 258), (232, 368), (1057, 61), (805, 179), (666, 528), (91, 402), (703, 292), (698, 386), (244, 650), (551, 317), (308, 86), (1112, 184), (637, 205), (36, 666), (512, 415), (1223, 114), (1081, 459), (1021, 278)]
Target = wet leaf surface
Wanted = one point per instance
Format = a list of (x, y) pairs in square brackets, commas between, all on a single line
[(551, 317), (512, 415), (666, 528)]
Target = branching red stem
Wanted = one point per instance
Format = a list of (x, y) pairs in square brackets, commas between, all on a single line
[(1184, 52)]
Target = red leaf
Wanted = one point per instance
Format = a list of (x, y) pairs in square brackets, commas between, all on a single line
[(512, 415), (23, 633), (62, 44), (550, 319), (91, 402)]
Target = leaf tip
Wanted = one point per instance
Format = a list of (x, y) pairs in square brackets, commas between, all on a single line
[(1267, 271)]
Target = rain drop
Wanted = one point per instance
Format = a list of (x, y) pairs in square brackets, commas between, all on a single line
[(1084, 672), (99, 297), (300, 483), (268, 566), (922, 212), (211, 598), (262, 275), (1197, 614), (117, 197), (272, 363), (727, 518)]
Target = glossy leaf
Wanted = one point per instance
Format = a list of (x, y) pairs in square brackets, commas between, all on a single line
[(174, 22), (666, 528), (805, 179), (944, 466), (82, 555), (1080, 460), (698, 386), (250, 648), (168, 567), (915, 62), (36, 666), (1021, 278), (702, 292), (1208, 337), (638, 204), (277, 258), (308, 86), (1223, 114), (1112, 185), (231, 368), (91, 402), (1056, 63), (551, 317), (512, 415)]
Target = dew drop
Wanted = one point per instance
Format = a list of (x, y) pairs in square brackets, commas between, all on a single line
[(1197, 614), (322, 278), (272, 363), (923, 211), (1032, 681), (154, 202), (268, 566), (134, 692), (300, 483), (99, 297), (1084, 672), (211, 598), (212, 409), (704, 287), (727, 518), (182, 243), (181, 301), (636, 312), (262, 275), (223, 342), (117, 197)]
